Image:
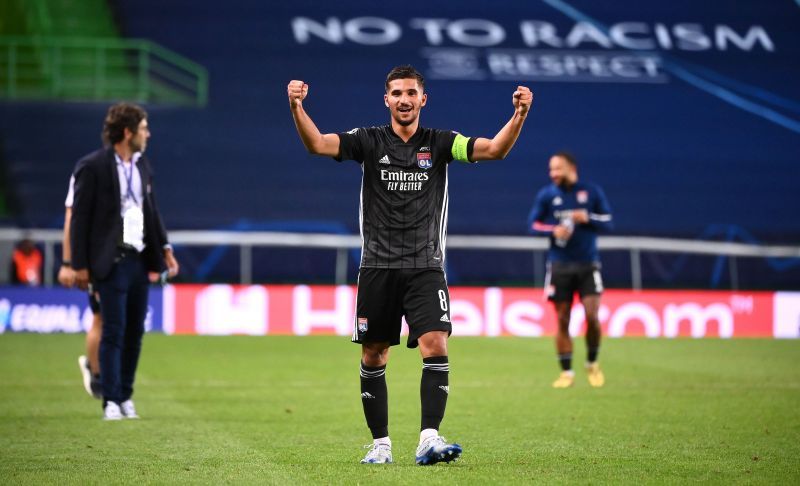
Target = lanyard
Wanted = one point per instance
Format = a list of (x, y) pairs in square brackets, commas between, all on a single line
[(129, 180)]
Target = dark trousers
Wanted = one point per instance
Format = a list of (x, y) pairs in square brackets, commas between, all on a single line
[(123, 305)]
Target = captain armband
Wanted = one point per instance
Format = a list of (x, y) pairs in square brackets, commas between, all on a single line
[(462, 148)]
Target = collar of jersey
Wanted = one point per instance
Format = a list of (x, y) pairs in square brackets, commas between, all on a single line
[(567, 188), (411, 140)]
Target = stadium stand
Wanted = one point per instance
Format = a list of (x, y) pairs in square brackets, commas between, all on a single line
[(686, 113)]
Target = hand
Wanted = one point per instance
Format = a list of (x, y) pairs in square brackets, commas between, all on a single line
[(66, 276), (172, 264), (82, 279), (562, 232), (297, 91), (580, 216), (153, 277), (523, 99)]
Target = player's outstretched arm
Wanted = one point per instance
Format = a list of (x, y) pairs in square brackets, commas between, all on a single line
[(315, 142), (499, 146)]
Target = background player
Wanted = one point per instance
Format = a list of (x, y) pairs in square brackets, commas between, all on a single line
[(403, 219), (89, 363), (572, 213)]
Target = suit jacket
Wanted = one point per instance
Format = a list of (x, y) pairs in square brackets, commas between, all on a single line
[(96, 224)]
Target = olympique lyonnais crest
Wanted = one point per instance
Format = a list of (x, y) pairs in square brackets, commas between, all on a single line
[(362, 324), (424, 160), (583, 197)]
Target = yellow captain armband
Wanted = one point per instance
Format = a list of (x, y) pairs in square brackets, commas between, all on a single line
[(459, 149)]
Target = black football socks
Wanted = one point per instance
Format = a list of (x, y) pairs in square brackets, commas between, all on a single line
[(592, 342), (375, 399), (433, 390), (566, 361)]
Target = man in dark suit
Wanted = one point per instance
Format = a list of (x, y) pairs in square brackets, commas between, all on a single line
[(117, 237)]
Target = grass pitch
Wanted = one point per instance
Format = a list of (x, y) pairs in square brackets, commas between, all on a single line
[(287, 410)]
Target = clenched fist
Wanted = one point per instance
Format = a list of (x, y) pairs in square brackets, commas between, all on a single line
[(297, 91), (523, 99)]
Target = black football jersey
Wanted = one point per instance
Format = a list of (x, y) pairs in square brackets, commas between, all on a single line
[(403, 208)]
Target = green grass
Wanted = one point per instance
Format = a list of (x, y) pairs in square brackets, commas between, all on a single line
[(286, 410)]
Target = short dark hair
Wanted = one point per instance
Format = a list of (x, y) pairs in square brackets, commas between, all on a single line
[(119, 117), (571, 160), (406, 71)]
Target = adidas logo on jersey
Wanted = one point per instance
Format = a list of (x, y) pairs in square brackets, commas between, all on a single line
[(367, 395), (445, 318), (384, 160)]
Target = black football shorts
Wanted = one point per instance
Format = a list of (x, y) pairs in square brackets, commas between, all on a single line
[(94, 302), (386, 295), (564, 279)]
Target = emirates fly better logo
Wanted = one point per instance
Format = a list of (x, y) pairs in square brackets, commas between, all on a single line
[(400, 180)]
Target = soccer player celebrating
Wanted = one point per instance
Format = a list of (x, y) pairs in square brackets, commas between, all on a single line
[(403, 220), (572, 213)]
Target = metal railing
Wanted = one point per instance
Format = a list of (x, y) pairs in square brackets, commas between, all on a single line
[(342, 243), (92, 69)]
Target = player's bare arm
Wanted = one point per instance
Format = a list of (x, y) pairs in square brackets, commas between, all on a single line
[(314, 141), (172, 263), (499, 146), (66, 275)]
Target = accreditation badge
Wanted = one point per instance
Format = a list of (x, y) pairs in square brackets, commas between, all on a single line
[(133, 226)]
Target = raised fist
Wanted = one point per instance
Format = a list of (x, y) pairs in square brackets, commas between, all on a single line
[(523, 99), (297, 91)]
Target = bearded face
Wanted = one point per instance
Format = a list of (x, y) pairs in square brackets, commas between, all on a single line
[(405, 99)]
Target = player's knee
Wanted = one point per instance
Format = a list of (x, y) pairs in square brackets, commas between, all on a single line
[(373, 360), (374, 355), (433, 344)]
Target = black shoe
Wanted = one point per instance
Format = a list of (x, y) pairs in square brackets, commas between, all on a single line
[(97, 387)]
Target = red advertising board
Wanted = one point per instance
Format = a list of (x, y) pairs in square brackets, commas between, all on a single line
[(483, 311)]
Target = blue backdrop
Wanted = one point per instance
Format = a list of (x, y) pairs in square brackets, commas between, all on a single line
[(687, 113)]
